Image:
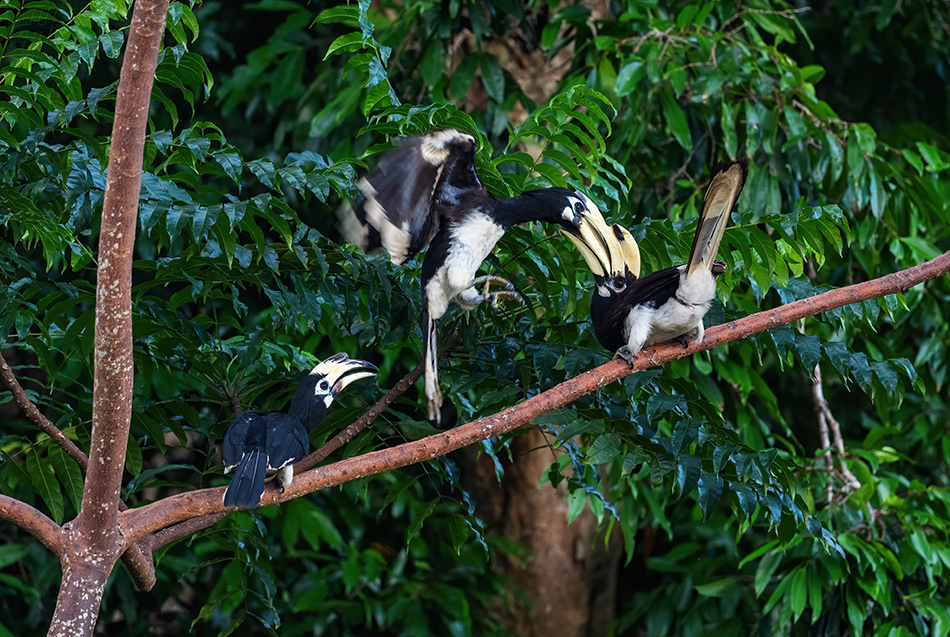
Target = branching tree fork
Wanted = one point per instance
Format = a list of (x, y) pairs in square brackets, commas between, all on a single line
[(105, 530)]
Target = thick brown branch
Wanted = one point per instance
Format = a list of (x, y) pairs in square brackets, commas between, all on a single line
[(186, 528), (33, 522), (150, 518), (95, 541), (112, 374), (362, 422), (42, 421)]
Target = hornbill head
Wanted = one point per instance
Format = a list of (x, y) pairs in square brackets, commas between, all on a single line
[(611, 252), (331, 376)]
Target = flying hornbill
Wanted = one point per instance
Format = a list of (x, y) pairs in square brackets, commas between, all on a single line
[(630, 312), (427, 193), (256, 443)]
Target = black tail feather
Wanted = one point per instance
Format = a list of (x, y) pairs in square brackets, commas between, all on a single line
[(247, 485)]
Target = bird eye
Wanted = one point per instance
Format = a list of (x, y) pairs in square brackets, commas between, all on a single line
[(579, 207), (618, 284), (324, 385)]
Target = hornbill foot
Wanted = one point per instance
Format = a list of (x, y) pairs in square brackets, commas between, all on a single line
[(624, 353), (684, 340), (470, 298), (719, 267), (504, 294)]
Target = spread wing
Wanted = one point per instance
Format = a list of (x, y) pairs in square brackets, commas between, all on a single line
[(721, 196), (413, 184)]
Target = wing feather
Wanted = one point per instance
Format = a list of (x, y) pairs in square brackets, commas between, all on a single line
[(403, 199)]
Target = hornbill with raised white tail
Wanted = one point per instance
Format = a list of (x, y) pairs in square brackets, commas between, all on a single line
[(258, 443), (630, 312), (427, 193)]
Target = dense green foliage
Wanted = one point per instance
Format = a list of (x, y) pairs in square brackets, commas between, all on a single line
[(264, 115)]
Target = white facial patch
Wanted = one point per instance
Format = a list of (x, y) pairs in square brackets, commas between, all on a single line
[(568, 214)]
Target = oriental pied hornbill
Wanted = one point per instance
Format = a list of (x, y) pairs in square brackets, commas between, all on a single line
[(256, 443), (427, 193), (630, 312)]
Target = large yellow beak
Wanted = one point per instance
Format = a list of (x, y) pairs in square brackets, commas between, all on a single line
[(340, 370), (608, 251)]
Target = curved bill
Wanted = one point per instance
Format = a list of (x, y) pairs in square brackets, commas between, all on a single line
[(608, 251), (340, 370)]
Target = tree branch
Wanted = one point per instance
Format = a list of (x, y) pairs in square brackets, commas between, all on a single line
[(112, 373), (137, 559), (44, 423), (33, 522), (186, 528), (361, 423), (147, 519), (94, 538)]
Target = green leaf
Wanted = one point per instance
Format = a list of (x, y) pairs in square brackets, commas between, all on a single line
[(764, 571), (717, 588), (69, 474), (688, 469), (798, 591), (416, 525), (709, 490), (675, 119), (604, 448), (44, 482), (493, 78), (346, 42)]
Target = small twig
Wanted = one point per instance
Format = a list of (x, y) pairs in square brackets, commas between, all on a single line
[(361, 423), (235, 403), (818, 123), (827, 422), (42, 421), (785, 13)]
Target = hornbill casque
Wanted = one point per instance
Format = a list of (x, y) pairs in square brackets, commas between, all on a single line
[(257, 443), (630, 312), (426, 192)]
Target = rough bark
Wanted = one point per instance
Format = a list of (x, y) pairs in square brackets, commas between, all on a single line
[(94, 540), (566, 576), (553, 574)]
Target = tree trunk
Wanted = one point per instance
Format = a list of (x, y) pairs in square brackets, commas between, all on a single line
[(85, 573), (566, 576)]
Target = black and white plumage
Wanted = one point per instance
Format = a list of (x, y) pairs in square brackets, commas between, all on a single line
[(258, 443), (630, 312), (427, 193)]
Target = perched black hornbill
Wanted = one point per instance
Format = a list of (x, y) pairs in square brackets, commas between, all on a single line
[(630, 312), (256, 443), (427, 193)]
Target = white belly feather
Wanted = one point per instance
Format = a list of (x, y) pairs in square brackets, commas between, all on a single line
[(471, 243)]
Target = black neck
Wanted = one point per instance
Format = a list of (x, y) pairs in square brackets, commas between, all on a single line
[(545, 204), (310, 410)]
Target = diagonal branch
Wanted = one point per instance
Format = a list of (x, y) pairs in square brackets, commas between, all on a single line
[(44, 423), (33, 522), (137, 559), (150, 518)]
